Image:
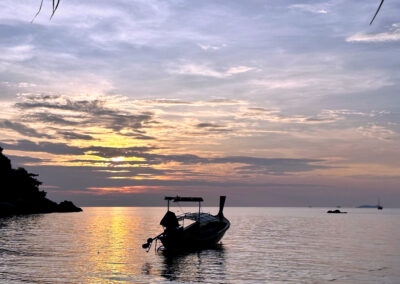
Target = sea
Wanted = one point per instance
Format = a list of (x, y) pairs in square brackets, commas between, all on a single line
[(263, 245)]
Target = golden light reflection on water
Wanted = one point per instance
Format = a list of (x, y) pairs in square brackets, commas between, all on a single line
[(113, 253), (114, 249), (113, 244)]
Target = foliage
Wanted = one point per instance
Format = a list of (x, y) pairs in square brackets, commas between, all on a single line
[(17, 183), (57, 2), (377, 11), (55, 6)]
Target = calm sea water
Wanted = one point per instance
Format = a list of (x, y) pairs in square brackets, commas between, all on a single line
[(263, 245)]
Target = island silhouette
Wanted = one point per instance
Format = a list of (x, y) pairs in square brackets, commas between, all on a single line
[(20, 193)]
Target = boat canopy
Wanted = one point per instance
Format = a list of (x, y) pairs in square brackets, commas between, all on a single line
[(183, 199)]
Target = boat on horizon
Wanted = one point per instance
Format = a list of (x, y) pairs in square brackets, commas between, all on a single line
[(205, 231), (379, 206)]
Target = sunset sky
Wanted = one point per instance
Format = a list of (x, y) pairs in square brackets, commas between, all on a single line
[(272, 103)]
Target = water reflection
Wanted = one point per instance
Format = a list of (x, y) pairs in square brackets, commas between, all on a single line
[(103, 245), (15, 231), (197, 266), (21, 221), (112, 252)]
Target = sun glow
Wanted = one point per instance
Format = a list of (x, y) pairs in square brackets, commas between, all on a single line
[(118, 159)]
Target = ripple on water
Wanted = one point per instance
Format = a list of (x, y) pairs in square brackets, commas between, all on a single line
[(273, 245)]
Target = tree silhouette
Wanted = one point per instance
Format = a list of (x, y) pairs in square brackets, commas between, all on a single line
[(20, 193), (17, 183)]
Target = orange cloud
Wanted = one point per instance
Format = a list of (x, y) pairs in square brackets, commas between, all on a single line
[(125, 189)]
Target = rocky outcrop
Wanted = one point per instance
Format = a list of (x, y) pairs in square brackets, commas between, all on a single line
[(337, 211), (67, 206), (20, 194)]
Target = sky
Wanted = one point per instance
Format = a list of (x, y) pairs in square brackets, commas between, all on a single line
[(272, 103)]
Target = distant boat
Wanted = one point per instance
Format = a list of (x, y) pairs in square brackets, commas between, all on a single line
[(206, 230), (379, 206), (368, 206)]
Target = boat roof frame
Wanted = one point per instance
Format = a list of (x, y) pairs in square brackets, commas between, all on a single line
[(184, 199)]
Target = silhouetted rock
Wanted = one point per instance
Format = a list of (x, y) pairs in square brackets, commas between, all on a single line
[(20, 194), (337, 211), (67, 206)]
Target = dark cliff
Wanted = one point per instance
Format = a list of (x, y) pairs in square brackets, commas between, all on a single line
[(20, 194)]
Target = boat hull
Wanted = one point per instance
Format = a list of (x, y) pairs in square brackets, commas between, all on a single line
[(196, 235)]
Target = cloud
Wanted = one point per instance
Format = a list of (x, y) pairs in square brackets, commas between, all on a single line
[(208, 125), (65, 149), (274, 115), (208, 47), (238, 70), (284, 83), (22, 129), (212, 127), (393, 35), (110, 152), (377, 132), (327, 83), (226, 101), (46, 147), (22, 160), (26, 85), (164, 102), (275, 166), (278, 166), (94, 112), (19, 84), (271, 166), (206, 71), (315, 9), (138, 136), (94, 106), (16, 53), (51, 118), (194, 104), (200, 70), (72, 136)]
